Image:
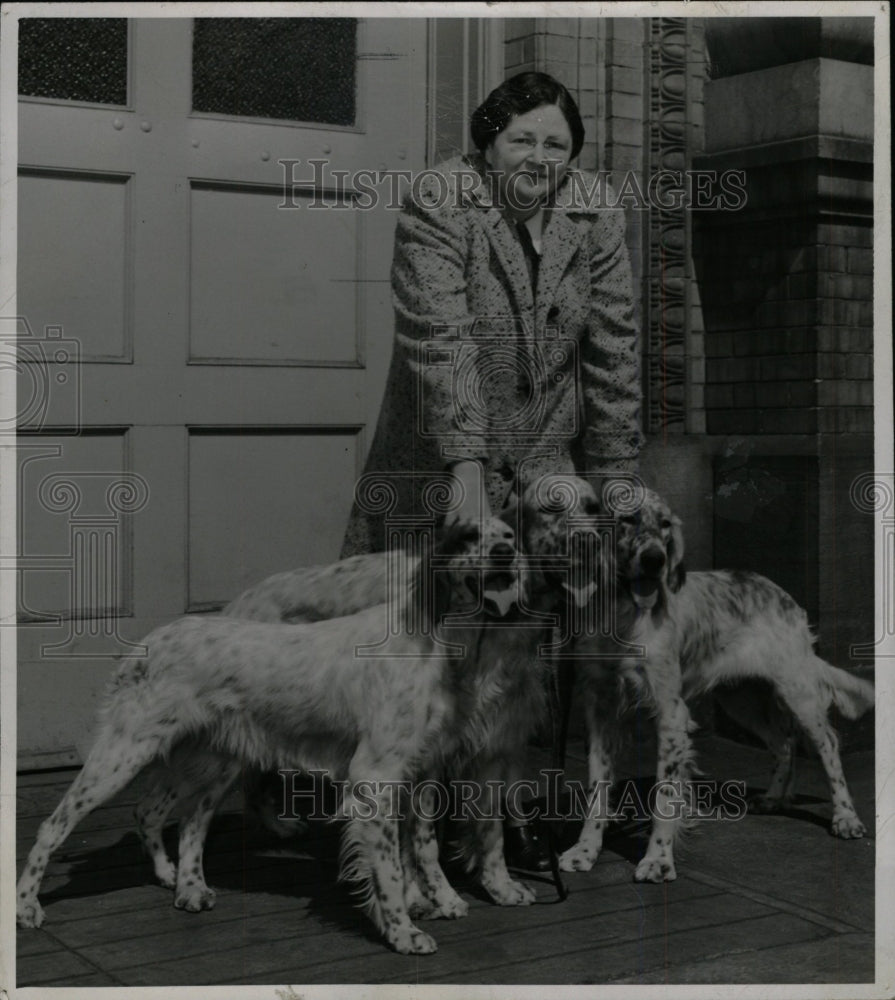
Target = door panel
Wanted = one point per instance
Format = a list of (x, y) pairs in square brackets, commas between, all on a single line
[(279, 512), (233, 341), (305, 302), (78, 227)]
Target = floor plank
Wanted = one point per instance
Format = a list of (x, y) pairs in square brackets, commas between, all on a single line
[(766, 898)]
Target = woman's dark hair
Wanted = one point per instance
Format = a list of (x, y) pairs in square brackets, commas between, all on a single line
[(517, 95)]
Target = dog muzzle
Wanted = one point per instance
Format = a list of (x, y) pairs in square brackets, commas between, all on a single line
[(581, 594), (501, 591), (645, 591)]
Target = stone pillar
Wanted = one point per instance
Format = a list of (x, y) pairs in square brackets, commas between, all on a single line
[(786, 286)]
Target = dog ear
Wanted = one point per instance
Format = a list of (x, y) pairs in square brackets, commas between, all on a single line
[(510, 512), (677, 574), (430, 589)]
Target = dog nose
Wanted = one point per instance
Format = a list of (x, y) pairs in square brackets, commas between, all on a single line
[(652, 560), (503, 550)]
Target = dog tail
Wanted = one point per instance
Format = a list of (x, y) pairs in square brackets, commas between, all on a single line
[(852, 695)]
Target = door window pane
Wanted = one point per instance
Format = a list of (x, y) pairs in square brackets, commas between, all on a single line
[(74, 58), (295, 68)]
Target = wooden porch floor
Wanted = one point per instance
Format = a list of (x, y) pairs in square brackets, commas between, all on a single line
[(764, 899)]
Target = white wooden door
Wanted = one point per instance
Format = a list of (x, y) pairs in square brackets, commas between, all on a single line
[(212, 346)]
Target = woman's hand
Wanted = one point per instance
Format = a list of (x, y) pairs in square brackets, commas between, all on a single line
[(474, 504)]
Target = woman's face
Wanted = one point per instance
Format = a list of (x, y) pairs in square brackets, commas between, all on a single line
[(530, 157)]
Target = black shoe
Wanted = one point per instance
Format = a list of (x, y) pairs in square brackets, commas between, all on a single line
[(522, 848)]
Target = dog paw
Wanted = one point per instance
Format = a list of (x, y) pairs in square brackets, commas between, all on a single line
[(411, 940), (195, 898), (655, 870), (577, 859), (30, 914), (847, 826), (449, 909), (765, 805), (421, 909), (167, 874), (510, 893)]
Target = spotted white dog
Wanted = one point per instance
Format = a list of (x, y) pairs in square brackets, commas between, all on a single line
[(302, 696), (736, 634), (510, 694)]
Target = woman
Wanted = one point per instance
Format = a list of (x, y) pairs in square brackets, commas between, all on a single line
[(515, 351)]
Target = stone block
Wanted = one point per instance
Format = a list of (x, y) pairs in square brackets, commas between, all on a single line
[(625, 131), (816, 96), (560, 26), (741, 45), (624, 80), (519, 27), (848, 286), (839, 234), (788, 421), (627, 29), (859, 260), (788, 367), (846, 420), (836, 392), (559, 49), (625, 106), (731, 370), (628, 54), (844, 339), (731, 421), (785, 394)]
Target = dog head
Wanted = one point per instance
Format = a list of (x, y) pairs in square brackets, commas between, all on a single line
[(476, 565), (649, 546), (556, 518)]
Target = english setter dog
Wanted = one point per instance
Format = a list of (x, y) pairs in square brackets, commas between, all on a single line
[(720, 631), (301, 697), (509, 694)]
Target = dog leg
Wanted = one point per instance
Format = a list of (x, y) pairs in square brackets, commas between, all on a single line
[(191, 891), (495, 878), (486, 834), (440, 898), (150, 814), (415, 902), (657, 864), (371, 845), (371, 854), (811, 715), (751, 707), (582, 856), (110, 766), (781, 739)]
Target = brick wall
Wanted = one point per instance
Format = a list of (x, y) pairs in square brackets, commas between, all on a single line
[(789, 299), (786, 286)]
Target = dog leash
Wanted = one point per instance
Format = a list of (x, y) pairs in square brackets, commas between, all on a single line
[(562, 891)]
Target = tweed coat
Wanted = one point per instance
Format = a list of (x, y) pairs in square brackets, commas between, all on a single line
[(483, 367)]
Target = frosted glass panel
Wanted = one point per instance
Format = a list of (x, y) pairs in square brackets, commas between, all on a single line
[(295, 68), (74, 58)]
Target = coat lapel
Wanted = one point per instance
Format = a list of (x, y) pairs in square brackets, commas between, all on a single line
[(561, 240), (509, 252)]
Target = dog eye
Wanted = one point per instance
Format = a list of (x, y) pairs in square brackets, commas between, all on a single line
[(666, 523)]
